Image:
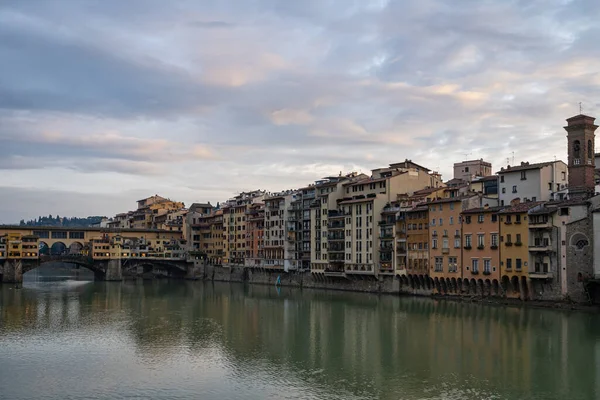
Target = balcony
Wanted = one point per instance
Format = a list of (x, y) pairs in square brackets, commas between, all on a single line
[(539, 224), (335, 225), (310, 195), (387, 221), (540, 248), (386, 235), (445, 250), (540, 274)]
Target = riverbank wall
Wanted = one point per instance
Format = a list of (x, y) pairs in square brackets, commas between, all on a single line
[(537, 294), (367, 284)]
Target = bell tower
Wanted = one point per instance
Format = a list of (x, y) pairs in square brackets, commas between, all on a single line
[(580, 138)]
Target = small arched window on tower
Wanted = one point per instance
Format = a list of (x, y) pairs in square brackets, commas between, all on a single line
[(590, 152), (576, 152)]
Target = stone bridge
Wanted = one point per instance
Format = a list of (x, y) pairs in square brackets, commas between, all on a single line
[(12, 270)]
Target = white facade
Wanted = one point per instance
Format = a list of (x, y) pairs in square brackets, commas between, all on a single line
[(532, 182)]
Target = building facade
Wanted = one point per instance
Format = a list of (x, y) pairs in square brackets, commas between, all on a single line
[(471, 169), (532, 182)]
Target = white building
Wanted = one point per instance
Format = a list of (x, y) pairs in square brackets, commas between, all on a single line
[(532, 182)]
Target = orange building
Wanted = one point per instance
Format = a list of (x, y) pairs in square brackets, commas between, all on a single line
[(417, 240), (481, 253), (445, 240), (255, 235)]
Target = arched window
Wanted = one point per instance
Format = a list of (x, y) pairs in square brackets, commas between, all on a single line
[(576, 151), (590, 150)]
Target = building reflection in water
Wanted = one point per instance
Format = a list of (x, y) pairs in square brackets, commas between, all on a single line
[(357, 344)]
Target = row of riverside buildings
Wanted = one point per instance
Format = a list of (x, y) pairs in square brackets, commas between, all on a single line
[(526, 231)]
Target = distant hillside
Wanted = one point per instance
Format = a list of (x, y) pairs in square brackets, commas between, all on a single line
[(62, 221)]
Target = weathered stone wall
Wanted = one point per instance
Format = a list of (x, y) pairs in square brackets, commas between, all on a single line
[(12, 271), (580, 258)]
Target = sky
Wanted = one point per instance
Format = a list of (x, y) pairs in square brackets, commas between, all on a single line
[(105, 102)]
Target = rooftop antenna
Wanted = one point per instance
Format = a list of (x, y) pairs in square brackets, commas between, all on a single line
[(513, 158), (467, 156), (580, 108)]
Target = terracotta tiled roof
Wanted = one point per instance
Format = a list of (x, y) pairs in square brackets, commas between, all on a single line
[(480, 210), (451, 199), (521, 207)]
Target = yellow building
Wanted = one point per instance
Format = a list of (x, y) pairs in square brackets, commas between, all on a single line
[(18, 245), (514, 247)]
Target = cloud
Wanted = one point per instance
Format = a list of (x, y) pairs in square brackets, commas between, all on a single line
[(201, 99)]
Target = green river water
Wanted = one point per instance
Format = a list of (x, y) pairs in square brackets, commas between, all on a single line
[(69, 339)]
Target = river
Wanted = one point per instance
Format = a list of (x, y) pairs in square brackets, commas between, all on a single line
[(71, 339)]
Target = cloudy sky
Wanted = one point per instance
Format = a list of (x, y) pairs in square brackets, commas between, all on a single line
[(106, 102)]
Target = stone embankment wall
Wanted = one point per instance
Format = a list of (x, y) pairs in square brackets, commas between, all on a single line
[(546, 293), (384, 284)]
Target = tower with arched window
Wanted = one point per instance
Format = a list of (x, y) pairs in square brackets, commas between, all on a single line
[(580, 138)]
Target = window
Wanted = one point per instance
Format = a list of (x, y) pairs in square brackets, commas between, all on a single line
[(480, 240), (452, 264), (523, 175), (456, 243), (475, 265), (508, 239), (434, 244), (509, 219), (502, 178), (518, 219), (487, 266), (439, 264), (441, 221), (466, 169), (494, 218), (576, 152), (518, 264), (518, 238), (452, 206), (445, 243), (503, 190), (468, 219), (440, 207), (457, 233), (468, 241), (549, 185), (514, 189), (563, 175), (509, 264), (451, 221), (433, 222), (494, 241), (480, 218), (564, 211)]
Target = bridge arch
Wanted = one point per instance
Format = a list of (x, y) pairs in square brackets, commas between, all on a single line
[(75, 248), (82, 261), (58, 248), (43, 248)]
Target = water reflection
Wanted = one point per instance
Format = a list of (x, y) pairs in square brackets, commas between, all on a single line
[(177, 339)]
